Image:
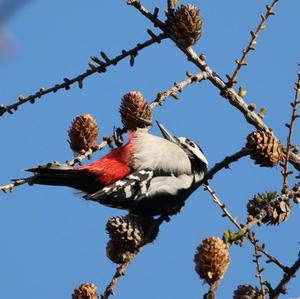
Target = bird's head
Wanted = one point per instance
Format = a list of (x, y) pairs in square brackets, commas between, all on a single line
[(193, 150)]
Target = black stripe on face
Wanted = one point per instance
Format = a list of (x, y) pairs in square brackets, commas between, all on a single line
[(192, 144)]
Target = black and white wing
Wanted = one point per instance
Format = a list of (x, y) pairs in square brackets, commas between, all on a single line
[(124, 193)]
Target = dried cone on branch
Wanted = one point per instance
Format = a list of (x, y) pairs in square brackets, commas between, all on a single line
[(212, 260), (127, 232), (185, 25), (135, 111), (86, 291), (128, 235), (267, 151), (246, 291), (118, 254), (277, 209), (83, 133)]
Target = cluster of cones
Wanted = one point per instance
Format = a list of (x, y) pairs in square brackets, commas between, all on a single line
[(135, 113)]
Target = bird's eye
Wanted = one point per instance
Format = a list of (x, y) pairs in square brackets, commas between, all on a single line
[(192, 144)]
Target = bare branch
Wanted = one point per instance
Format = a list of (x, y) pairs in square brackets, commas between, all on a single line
[(271, 259), (228, 93), (251, 46), (222, 206), (289, 138), (110, 289), (101, 68), (244, 230), (281, 287), (178, 87), (225, 163), (259, 269)]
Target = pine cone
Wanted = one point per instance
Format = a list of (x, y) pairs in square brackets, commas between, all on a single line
[(278, 209), (135, 111), (296, 196), (125, 231), (83, 133), (246, 291), (117, 254), (128, 235), (267, 151), (85, 291), (212, 260), (185, 25), (149, 226)]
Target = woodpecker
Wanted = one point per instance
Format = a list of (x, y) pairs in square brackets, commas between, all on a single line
[(147, 176)]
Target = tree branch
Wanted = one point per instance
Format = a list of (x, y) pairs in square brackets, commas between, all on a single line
[(251, 46), (281, 287), (259, 269), (228, 93), (178, 87), (272, 259), (120, 271), (225, 163), (290, 126), (222, 206), (101, 68)]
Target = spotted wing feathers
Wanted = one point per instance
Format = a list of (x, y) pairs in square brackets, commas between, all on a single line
[(124, 193)]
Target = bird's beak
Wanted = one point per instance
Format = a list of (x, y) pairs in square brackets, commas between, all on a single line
[(167, 135)]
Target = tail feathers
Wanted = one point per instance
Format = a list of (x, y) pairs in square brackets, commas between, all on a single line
[(57, 175)]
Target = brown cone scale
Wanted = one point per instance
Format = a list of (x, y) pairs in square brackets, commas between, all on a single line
[(128, 235), (185, 25), (85, 291), (212, 260), (117, 254), (83, 133), (266, 150), (278, 209), (135, 112), (126, 232), (246, 291)]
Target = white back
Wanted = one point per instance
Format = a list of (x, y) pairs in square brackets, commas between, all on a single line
[(160, 154)]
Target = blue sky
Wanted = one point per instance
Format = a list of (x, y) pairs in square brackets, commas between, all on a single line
[(51, 240)]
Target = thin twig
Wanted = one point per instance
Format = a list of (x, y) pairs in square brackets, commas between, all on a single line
[(245, 229), (101, 68), (290, 126), (272, 259), (259, 269), (178, 87), (222, 206), (281, 287), (228, 93), (251, 46), (225, 163), (120, 271)]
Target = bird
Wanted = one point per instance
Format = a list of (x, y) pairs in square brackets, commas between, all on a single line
[(148, 176)]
